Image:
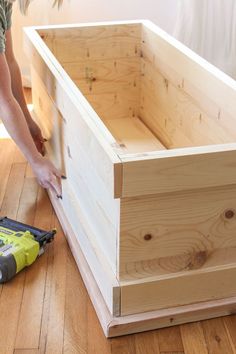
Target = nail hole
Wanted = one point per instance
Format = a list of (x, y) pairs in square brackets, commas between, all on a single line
[(147, 237)]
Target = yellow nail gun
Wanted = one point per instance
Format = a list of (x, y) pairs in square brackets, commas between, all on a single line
[(20, 245)]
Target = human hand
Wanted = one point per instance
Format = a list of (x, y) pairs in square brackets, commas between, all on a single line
[(47, 175), (37, 136)]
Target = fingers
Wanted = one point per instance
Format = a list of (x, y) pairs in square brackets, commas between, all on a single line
[(55, 184)]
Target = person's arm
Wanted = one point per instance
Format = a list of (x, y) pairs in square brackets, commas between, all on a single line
[(15, 123), (17, 89)]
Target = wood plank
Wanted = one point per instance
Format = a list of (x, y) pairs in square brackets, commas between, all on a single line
[(170, 292), (102, 229), (124, 345), (101, 344), (55, 332), (114, 106), (6, 158), (230, 325), (13, 190), (181, 114), (162, 125), (178, 170), (35, 278), (169, 340), (94, 255), (146, 343), (49, 259), (176, 232), (106, 76), (66, 150), (11, 295), (92, 134), (49, 120), (96, 42), (76, 311), (193, 339), (216, 337), (187, 70), (132, 136), (92, 285)]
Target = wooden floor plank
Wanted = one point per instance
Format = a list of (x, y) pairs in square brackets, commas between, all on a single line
[(31, 314), (49, 256), (123, 345), (193, 339), (97, 342), (13, 191), (12, 292), (55, 330), (76, 319), (216, 337), (146, 343), (169, 340), (230, 325), (6, 159)]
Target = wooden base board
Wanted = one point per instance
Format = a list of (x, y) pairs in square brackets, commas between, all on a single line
[(118, 326)]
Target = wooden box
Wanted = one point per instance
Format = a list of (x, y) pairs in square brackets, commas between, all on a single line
[(144, 130)]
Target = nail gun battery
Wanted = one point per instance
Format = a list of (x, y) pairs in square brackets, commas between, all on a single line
[(20, 245)]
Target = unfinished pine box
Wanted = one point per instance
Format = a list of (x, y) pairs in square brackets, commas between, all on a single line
[(144, 130)]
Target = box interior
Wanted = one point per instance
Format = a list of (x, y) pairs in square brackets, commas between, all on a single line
[(118, 70)]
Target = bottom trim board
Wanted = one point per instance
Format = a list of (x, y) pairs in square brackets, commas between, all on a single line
[(118, 326)]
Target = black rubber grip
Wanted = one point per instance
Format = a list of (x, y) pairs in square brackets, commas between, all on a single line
[(7, 268)]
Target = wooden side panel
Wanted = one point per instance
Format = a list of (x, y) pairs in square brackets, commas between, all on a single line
[(176, 117), (101, 284), (199, 95), (50, 121), (177, 290), (90, 131), (81, 237), (179, 170), (101, 210), (169, 233)]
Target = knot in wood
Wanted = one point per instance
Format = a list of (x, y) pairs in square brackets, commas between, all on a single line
[(229, 214), (147, 237)]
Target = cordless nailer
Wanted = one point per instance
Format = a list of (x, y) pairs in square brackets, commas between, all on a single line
[(20, 245)]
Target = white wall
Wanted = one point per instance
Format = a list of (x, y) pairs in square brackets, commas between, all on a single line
[(161, 12)]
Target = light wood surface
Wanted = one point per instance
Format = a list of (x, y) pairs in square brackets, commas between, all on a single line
[(125, 153), (46, 309)]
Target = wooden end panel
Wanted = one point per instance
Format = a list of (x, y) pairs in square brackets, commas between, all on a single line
[(179, 170)]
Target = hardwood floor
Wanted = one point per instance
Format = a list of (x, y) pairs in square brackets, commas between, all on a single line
[(46, 309)]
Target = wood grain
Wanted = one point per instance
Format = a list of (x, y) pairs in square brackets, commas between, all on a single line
[(178, 170), (216, 337), (169, 233), (76, 310), (193, 338), (170, 340), (76, 298)]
